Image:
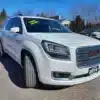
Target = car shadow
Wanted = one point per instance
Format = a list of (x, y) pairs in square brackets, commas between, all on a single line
[(49, 87), (16, 74)]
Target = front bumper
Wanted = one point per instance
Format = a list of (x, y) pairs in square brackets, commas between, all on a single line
[(65, 82), (63, 66)]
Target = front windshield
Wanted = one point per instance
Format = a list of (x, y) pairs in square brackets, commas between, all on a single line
[(44, 25)]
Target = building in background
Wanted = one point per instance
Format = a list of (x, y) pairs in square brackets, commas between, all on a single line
[(56, 17), (65, 22)]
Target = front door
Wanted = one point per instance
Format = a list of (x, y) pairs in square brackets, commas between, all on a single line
[(12, 40)]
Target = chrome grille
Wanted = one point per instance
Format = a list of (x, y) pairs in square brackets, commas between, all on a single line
[(88, 56)]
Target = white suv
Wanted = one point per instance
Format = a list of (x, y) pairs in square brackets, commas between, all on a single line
[(49, 52)]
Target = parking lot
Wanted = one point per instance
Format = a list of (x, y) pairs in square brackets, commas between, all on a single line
[(12, 87)]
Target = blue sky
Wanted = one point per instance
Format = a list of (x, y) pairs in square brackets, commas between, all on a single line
[(62, 7)]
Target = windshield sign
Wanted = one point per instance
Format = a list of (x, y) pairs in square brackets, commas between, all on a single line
[(32, 22)]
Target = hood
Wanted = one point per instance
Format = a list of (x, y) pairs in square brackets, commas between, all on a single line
[(67, 39)]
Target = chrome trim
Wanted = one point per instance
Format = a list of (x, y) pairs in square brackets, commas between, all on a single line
[(84, 60)]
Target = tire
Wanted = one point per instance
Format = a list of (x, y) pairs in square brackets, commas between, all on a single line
[(30, 72)]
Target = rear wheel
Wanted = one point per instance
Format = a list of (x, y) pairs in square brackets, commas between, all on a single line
[(30, 72)]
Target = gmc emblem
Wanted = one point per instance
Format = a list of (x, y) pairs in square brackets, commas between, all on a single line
[(93, 53)]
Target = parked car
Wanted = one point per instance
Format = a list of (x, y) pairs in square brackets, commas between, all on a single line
[(92, 32), (96, 34), (50, 53), (87, 31)]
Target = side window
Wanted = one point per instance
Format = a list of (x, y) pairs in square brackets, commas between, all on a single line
[(3, 25), (8, 25), (17, 23), (14, 22)]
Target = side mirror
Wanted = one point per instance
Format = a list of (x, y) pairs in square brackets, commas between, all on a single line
[(15, 29)]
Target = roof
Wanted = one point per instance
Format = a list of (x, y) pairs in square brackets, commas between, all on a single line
[(32, 17)]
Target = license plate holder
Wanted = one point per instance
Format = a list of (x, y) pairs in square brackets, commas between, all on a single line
[(93, 70)]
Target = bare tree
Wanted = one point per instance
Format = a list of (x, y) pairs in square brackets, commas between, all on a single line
[(17, 13), (48, 13), (28, 12), (88, 11), (25, 13)]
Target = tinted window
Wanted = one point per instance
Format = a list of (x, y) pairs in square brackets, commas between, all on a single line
[(9, 25), (44, 25), (3, 25), (14, 22)]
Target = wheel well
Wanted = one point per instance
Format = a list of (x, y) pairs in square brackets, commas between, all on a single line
[(23, 52)]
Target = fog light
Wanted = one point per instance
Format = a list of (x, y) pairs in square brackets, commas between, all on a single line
[(61, 74)]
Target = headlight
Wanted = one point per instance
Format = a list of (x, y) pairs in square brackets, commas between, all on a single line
[(56, 50)]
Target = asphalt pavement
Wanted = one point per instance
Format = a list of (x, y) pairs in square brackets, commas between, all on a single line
[(12, 86)]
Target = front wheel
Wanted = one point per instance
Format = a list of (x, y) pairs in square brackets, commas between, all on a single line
[(30, 72)]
